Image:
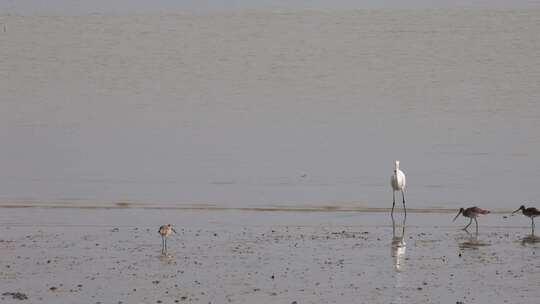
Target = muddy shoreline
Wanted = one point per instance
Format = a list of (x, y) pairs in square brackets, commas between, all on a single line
[(113, 256)]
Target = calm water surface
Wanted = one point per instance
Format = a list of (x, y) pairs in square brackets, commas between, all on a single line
[(266, 109)]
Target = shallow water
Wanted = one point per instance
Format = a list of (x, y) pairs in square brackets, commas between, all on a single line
[(262, 109)]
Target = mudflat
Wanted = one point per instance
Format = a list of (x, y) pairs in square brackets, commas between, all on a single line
[(101, 255)]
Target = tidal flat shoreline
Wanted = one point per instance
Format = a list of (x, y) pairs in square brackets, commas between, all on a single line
[(113, 256)]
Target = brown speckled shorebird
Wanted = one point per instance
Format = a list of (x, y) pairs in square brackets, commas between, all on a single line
[(165, 231), (472, 213), (530, 212)]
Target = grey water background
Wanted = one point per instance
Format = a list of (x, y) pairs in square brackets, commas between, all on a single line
[(83, 7), (271, 108)]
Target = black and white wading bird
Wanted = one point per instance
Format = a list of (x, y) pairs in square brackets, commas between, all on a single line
[(530, 212)]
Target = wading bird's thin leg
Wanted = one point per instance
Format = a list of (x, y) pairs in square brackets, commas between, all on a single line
[(470, 222), (404, 208), (393, 203), (165, 245), (162, 245), (532, 219), (403, 227), (393, 225), (476, 222)]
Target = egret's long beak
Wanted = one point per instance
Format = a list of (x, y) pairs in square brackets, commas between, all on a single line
[(456, 216), (516, 210)]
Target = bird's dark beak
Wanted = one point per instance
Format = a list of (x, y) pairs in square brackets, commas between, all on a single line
[(456, 216), (516, 210), (173, 230)]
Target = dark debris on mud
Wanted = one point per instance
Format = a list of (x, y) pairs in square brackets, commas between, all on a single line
[(16, 295)]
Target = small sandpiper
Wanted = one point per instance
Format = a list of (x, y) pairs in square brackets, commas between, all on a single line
[(530, 212), (472, 213), (165, 231)]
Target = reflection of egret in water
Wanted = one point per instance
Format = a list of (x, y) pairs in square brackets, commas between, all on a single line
[(398, 245), (397, 250)]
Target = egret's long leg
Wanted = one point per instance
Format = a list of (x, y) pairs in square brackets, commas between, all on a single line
[(393, 225), (403, 227), (393, 202), (404, 208), (476, 222)]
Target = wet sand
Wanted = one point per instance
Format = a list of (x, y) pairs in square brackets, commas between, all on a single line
[(69, 255)]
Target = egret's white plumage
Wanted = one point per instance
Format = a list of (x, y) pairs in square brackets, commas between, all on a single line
[(398, 181)]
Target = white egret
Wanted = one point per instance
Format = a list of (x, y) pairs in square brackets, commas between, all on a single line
[(398, 184)]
